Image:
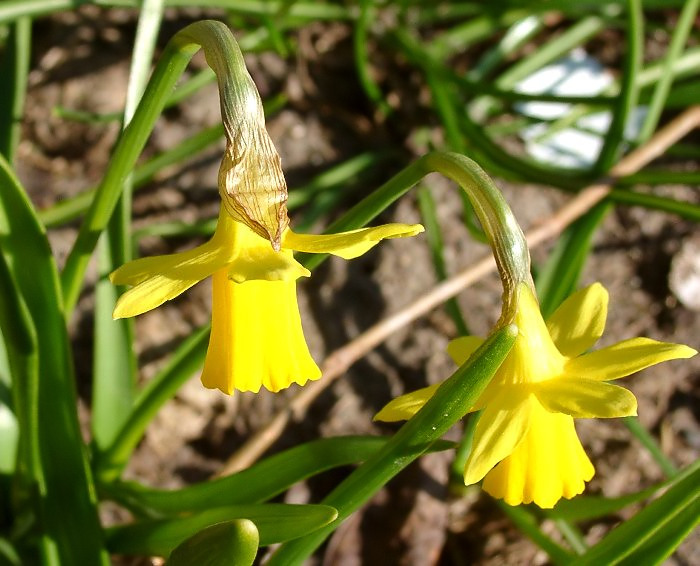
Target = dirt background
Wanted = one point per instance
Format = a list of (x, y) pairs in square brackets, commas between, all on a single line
[(80, 61)]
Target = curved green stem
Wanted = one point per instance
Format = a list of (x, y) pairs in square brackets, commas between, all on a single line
[(505, 236)]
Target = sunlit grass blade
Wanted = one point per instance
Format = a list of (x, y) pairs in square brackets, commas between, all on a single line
[(589, 507), (665, 541), (185, 361), (12, 9), (66, 482), (517, 35), (114, 362), (686, 210), (223, 544), (629, 90), (558, 278), (14, 68), (360, 35), (276, 522), (450, 403), (18, 398), (663, 87), (258, 483), (461, 36), (663, 522), (9, 553)]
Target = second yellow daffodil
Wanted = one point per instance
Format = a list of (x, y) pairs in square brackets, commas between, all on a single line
[(525, 446)]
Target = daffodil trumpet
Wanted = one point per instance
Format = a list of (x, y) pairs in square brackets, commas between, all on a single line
[(525, 446)]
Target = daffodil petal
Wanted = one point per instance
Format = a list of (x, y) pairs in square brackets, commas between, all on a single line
[(150, 294), (625, 358), (192, 265), (347, 245), (579, 321), (501, 427), (256, 337), (460, 349), (586, 398), (404, 407), (548, 464)]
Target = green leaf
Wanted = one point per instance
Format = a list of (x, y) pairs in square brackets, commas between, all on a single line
[(260, 482), (629, 88), (187, 359), (665, 541), (663, 87), (450, 403), (276, 522), (659, 527), (18, 392), (66, 485), (114, 363), (224, 544), (14, 68), (588, 507)]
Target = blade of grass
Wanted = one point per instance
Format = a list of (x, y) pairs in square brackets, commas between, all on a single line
[(114, 362), (654, 202), (13, 9), (663, 87), (185, 361), (14, 68), (517, 35), (276, 522), (459, 37), (629, 89), (20, 455), (72, 208), (650, 525), (260, 482), (67, 483), (360, 34)]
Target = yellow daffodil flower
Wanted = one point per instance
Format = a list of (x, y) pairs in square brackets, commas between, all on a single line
[(256, 338), (525, 445)]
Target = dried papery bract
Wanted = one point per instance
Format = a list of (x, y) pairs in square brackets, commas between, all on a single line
[(251, 182)]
